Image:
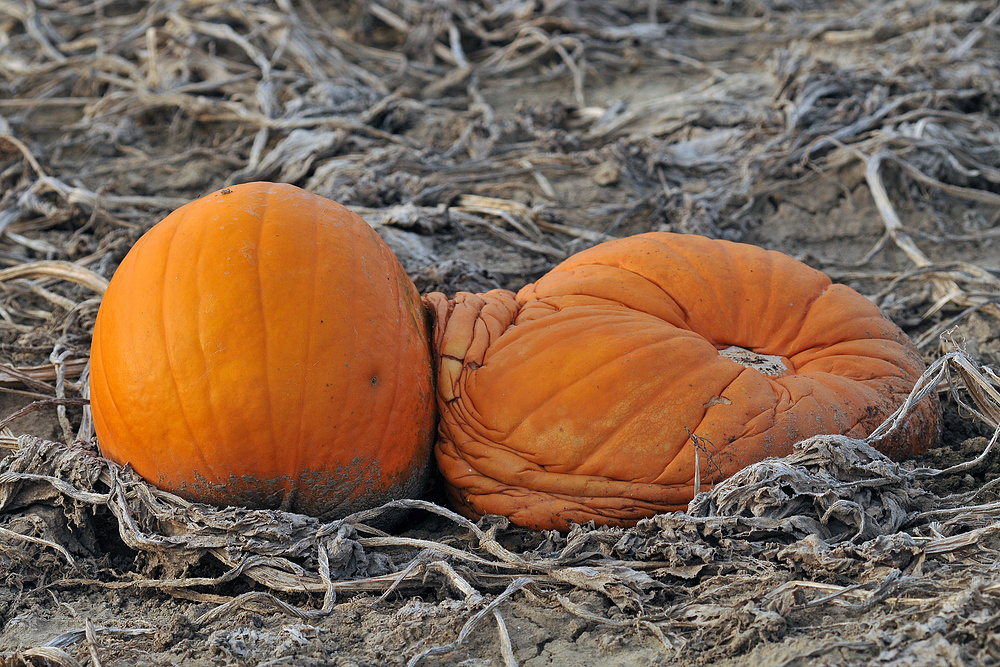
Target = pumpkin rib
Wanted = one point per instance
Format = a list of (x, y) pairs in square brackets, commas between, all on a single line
[(108, 391), (264, 359), (561, 509), (555, 396), (356, 312), (775, 272), (628, 271), (764, 281), (773, 413), (399, 377), (740, 374), (724, 248), (697, 429), (653, 495), (215, 415), (218, 412), (171, 365), (696, 271), (293, 470), (862, 326), (697, 276), (656, 398), (98, 408), (350, 313), (588, 487), (807, 310), (550, 481)]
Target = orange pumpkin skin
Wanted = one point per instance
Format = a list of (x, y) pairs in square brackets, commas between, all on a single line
[(262, 346), (573, 400)]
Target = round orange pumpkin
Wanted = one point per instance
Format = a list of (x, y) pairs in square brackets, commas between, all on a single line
[(262, 346), (577, 399)]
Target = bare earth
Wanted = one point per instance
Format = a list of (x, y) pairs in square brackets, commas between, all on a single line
[(486, 141)]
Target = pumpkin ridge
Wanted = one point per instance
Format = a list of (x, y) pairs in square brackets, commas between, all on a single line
[(348, 389), (703, 428), (265, 357), (780, 271), (680, 306), (555, 308), (553, 395), (871, 396), (696, 271), (872, 378), (874, 394), (703, 431), (453, 322), (610, 437), (610, 443), (806, 310), (773, 295), (214, 414), (195, 441), (593, 487), (394, 287), (304, 382), (858, 327), (724, 252), (817, 357), (107, 391)]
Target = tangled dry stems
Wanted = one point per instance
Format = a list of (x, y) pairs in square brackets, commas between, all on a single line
[(109, 118)]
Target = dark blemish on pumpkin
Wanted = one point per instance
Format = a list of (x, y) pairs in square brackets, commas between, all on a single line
[(374, 380), (225, 191)]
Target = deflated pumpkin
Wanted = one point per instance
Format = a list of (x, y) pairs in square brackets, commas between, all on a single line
[(582, 396), (262, 346)]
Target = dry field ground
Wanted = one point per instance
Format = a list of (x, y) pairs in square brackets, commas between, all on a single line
[(486, 140)]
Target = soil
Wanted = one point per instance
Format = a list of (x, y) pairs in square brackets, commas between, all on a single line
[(486, 142)]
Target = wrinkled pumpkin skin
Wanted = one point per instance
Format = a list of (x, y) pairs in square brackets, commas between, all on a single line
[(573, 400), (262, 346)]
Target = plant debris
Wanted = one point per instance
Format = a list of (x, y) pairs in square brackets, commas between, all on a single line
[(486, 141)]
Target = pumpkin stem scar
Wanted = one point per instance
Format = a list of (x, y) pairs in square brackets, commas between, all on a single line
[(717, 400), (768, 364)]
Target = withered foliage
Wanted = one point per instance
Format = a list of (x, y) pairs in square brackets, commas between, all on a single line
[(486, 141)]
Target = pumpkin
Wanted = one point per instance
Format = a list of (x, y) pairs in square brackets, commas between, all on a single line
[(262, 346), (582, 397)]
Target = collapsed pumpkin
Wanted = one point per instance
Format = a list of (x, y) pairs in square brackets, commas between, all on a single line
[(262, 346), (581, 397)]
